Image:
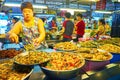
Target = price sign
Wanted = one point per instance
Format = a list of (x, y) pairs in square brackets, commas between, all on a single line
[(101, 5)]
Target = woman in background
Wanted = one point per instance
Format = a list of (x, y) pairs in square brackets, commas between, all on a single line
[(12, 23), (101, 28), (80, 27), (15, 20)]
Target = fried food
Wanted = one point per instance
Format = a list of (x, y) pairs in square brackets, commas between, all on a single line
[(97, 56), (9, 53), (88, 44), (8, 73), (110, 48), (65, 46), (86, 50), (64, 61), (32, 57)]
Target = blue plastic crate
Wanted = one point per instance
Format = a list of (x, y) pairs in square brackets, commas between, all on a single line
[(116, 58)]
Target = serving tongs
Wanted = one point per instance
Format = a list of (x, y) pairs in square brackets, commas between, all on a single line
[(29, 48)]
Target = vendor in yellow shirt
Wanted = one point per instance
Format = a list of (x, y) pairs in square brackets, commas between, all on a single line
[(101, 28), (30, 28)]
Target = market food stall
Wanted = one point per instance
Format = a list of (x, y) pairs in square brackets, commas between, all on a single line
[(93, 59)]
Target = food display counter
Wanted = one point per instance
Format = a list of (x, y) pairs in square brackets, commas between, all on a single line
[(100, 59), (109, 72)]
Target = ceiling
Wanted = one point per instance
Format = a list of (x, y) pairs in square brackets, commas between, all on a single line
[(56, 4), (82, 2), (85, 2)]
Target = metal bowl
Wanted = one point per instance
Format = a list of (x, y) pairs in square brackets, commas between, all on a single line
[(22, 68), (28, 75), (34, 61), (62, 74), (8, 63)]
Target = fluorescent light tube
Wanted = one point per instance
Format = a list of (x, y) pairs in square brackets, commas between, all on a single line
[(18, 5), (69, 9), (105, 12)]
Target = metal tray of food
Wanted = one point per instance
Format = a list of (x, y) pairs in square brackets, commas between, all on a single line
[(9, 73), (101, 55), (31, 58)]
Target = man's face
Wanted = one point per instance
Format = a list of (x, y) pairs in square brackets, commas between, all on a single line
[(27, 13)]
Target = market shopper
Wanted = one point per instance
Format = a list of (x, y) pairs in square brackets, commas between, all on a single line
[(75, 22), (67, 28), (54, 24), (95, 26), (12, 23), (30, 28), (14, 20), (80, 26)]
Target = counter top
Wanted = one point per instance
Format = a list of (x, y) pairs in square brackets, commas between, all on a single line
[(110, 72)]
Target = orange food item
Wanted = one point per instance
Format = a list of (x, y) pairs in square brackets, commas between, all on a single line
[(9, 53)]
